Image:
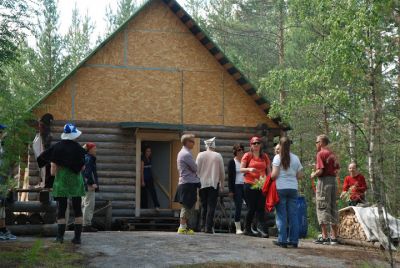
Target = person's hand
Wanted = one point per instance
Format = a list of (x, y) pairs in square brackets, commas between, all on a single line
[(230, 194), (143, 184), (342, 195), (252, 169), (94, 186)]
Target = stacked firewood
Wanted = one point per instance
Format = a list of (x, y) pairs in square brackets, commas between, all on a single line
[(350, 228)]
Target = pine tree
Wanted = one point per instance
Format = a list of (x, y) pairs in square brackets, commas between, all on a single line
[(47, 62), (114, 19), (77, 40)]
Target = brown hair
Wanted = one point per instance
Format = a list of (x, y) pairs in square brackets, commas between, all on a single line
[(324, 139), (236, 148), (284, 152), (186, 137)]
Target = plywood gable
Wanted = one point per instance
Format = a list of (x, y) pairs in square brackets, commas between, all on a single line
[(156, 70)]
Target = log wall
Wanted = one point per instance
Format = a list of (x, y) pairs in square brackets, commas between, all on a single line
[(116, 159)]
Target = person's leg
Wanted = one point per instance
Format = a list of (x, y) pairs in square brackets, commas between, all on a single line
[(260, 211), (281, 217), (61, 224), (186, 214), (152, 190), (4, 233), (321, 207), (251, 202), (203, 194), (76, 205), (293, 217), (238, 199), (211, 205), (88, 209), (143, 197)]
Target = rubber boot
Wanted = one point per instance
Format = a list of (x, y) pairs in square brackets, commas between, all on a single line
[(238, 228), (262, 231), (60, 233), (77, 232), (247, 229)]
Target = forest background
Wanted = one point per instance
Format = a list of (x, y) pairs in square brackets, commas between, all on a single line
[(325, 66)]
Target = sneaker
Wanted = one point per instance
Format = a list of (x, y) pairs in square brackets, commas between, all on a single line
[(279, 244), (322, 241), (334, 241), (89, 229), (7, 236), (185, 231)]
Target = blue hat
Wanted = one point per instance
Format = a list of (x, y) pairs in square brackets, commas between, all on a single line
[(70, 132)]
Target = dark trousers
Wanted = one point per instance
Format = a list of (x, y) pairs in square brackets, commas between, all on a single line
[(255, 201), (238, 199), (149, 188), (62, 206), (208, 199)]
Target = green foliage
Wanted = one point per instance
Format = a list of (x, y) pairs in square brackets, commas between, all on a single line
[(114, 19)]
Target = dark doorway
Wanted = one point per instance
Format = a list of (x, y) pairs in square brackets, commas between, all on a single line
[(161, 167)]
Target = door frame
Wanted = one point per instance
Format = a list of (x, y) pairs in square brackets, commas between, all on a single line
[(148, 135)]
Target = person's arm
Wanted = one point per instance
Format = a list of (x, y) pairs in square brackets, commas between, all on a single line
[(268, 163), (231, 176), (244, 163), (346, 184), (221, 174), (53, 169), (142, 172), (275, 172), (300, 174), (189, 161)]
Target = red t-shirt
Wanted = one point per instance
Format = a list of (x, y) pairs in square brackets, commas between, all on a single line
[(361, 186), (259, 163), (327, 161)]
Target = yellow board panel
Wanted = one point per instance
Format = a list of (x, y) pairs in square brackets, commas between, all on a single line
[(202, 98), (112, 53)]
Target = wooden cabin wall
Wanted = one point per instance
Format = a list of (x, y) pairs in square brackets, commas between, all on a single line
[(116, 158), (115, 165)]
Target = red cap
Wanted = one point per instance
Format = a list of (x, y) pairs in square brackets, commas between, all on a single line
[(255, 139), (90, 145)]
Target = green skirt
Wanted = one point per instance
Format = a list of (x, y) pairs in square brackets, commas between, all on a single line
[(68, 184)]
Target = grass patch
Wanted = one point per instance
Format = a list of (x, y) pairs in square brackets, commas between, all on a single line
[(39, 254)]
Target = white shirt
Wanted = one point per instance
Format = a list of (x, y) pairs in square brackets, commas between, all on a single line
[(287, 179), (239, 175), (210, 169)]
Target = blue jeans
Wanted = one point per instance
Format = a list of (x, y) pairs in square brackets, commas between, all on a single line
[(286, 212), (238, 198)]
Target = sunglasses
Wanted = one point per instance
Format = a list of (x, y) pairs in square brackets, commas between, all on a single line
[(256, 143), (317, 142)]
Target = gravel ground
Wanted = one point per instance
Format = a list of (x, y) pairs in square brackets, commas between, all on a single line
[(167, 249)]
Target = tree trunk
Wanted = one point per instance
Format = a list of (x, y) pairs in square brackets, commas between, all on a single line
[(352, 142), (281, 48)]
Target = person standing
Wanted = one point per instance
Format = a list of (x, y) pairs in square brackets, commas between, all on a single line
[(211, 170), (255, 165), (286, 170), (327, 168), (91, 186), (189, 182), (357, 185), (236, 183), (67, 160), (148, 180)]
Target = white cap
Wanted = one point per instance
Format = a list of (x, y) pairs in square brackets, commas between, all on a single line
[(210, 143)]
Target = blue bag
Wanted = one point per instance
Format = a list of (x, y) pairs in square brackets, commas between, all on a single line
[(302, 216)]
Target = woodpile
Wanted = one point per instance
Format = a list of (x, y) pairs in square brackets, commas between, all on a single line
[(349, 227)]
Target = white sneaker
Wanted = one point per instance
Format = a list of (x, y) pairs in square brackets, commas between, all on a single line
[(7, 236), (238, 228)]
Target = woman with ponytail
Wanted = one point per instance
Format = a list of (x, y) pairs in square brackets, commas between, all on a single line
[(286, 170)]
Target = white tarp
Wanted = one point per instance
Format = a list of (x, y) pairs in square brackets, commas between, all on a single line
[(368, 217)]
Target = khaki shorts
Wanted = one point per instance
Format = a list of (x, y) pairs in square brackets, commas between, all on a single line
[(187, 213), (327, 212), (2, 213)]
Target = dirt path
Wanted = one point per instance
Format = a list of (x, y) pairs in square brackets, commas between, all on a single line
[(161, 249)]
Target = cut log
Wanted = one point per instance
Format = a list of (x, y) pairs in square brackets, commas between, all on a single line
[(32, 206), (35, 218), (49, 217), (42, 229)]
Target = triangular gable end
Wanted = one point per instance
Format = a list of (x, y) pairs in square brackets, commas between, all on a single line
[(232, 73)]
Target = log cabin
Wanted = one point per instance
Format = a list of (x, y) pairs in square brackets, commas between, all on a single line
[(155, 78)]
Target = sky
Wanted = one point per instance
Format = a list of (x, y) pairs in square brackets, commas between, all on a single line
[(95, 9)]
